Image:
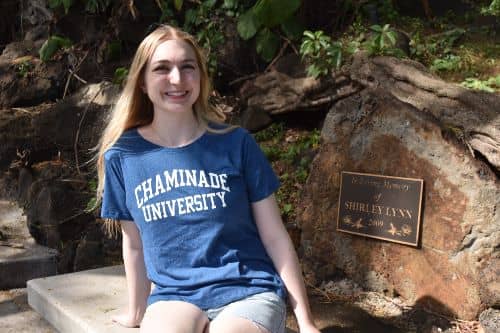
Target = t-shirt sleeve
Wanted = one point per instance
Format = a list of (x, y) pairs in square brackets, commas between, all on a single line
[(114, 199), (260, 178)]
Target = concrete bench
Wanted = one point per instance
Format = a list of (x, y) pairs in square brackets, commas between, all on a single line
[(83, 302)]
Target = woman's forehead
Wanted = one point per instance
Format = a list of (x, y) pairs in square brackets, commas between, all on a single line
[(173, 50)]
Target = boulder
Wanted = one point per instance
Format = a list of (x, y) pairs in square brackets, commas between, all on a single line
[(66, 129), (26, 80), (44, 156), (455, 268)]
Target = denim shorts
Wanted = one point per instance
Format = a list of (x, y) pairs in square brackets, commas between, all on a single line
[(266, 310)]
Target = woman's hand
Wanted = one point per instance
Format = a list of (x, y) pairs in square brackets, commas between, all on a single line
[(126, 320)]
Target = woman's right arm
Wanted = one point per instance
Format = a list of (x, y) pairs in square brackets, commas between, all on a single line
[(138, 285)]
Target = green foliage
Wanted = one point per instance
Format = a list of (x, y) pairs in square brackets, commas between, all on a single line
[(247, 25), (263, 19), (52, 45), (492, 84), (120, 75), (66, 4), (230, 7), (178, 4), (492, 9), (24, 68), (113, 50), (426, 49), (267, 44), (92, 203), (275, 131), (97, 6), (382, 10), (204, 21), (382, 41), (450, 62), (320, 53), (291, 153), (271, 13), (167, 13), (91, 6)]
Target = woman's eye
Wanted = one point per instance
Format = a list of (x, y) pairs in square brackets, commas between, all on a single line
[(188, 67), (161, 69)]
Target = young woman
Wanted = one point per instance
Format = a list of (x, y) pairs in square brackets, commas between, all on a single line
[(194, 199)]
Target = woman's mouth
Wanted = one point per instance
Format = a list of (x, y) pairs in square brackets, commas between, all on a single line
[(177, 93)]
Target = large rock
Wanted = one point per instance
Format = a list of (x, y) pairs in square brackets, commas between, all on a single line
[(455, 269), (45, 153), (25, 80), (473, 115), (67, 129)]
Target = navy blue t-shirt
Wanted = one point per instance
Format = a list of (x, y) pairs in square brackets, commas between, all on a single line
[(192, 206)]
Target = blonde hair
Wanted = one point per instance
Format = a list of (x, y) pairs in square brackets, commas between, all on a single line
[(134, 109)]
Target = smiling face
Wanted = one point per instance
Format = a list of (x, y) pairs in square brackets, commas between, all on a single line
[(172, 77)]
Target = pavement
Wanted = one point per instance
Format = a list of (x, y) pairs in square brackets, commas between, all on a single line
[(16, 316), (21, 259)]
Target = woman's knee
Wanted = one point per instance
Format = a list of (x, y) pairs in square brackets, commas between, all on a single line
[(173, 317)]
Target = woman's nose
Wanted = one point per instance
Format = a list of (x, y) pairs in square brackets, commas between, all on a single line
[(175, 75)]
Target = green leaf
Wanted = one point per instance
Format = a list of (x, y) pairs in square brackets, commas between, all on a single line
[(209, 3), (113, 50), (287, 208), (48, 49), (67, 5), (230, 4), (120, 75), (274, 12), (267, 44), (178, 4), (63, 42), (189, 17), (335, 52), (247, 25), (51, 46), (309, 34), (91, 205), (292, 28), (391, 35), (54, 3)]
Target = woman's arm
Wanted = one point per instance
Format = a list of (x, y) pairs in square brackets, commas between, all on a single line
[(138, 285), (280, 248)]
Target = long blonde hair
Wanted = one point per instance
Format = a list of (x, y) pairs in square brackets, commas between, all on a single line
[(134, 109)]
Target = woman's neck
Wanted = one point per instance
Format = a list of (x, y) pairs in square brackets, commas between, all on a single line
[(173, 130)]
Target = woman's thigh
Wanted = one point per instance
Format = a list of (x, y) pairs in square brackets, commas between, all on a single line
[(260, 313), (173, 317), (234, 325)]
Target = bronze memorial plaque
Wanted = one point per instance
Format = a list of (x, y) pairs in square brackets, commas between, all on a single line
[(381, 207)]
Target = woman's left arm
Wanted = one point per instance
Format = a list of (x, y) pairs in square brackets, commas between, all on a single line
[(281, 251)]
